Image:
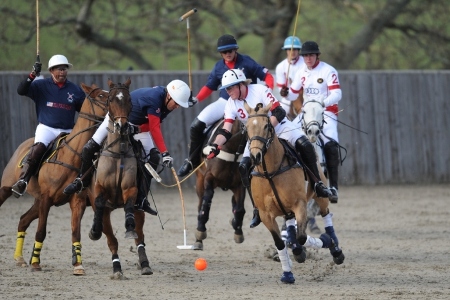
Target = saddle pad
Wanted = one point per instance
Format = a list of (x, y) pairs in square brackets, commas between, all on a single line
[(222, 155)]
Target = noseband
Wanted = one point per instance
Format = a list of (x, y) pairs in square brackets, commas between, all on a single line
[(306, 126), (265, 140)]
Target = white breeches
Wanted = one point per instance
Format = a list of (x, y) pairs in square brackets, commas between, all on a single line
[(45, 134), (213, 112), (330, 127)]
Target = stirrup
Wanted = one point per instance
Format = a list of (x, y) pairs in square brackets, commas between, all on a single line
[(186, 168), (19, 190), (145, 206), (334, 195), (75, 187), (321, 190)]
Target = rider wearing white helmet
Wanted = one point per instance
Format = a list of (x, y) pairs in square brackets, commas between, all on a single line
[(151, 105), (57, 100), (321, 80), (239, 90), (287, 68)]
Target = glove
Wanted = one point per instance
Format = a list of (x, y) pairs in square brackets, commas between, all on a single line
[(215, 150), (37, 68), (167, 160), (284, 91), (192, 100)]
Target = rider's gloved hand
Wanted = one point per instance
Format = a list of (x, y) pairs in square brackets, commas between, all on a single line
[(167, 160), (284, 91), (215, 150), (37, 67)]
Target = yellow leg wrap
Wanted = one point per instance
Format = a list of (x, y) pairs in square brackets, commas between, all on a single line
[(35, 257), (76, 253), (19, 244)]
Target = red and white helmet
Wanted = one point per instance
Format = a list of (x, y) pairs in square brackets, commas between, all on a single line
[(179, 91), (57, 60)]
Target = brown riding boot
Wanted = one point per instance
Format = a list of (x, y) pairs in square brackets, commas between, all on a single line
[(30, 167)]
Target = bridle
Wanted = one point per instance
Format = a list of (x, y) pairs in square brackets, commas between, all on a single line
[(266, 141), (308, 125), (116, 119)]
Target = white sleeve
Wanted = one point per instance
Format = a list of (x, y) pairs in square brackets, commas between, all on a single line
[(279, 75), (334, 88), (296, 87)]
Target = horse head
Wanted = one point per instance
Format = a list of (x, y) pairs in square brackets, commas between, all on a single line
[(259, 130), (312, 120), (119, 104), (97, 105)]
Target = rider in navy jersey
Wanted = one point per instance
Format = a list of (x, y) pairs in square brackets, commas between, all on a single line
[(150, 106), (56, 100)]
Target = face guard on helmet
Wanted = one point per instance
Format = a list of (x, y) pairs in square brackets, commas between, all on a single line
[(292, 42), (179, 91), (310, 47), (57, 60), (232, 77), (226, 42)]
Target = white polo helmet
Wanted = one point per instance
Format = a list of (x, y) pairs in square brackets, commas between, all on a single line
[(179, 91), (57, 60), (232, 77)]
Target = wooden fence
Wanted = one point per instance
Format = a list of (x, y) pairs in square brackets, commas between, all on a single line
[(394, 124)]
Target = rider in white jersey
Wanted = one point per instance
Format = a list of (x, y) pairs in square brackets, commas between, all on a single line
[(320, 80), (239, 90), (287, 68)]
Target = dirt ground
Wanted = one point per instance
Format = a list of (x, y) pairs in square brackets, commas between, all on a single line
[(395, 239)]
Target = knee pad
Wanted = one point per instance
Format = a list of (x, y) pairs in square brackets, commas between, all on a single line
[(244, 170)]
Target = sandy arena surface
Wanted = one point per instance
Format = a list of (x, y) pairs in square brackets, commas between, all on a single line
[(395, 239)]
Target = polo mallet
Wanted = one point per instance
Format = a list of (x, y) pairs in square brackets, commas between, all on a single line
[(37, 32), (184, 247), (292, 45), (153, 172), (186, 16)]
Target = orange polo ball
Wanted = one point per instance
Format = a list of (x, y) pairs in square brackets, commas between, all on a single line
[(201, 264)]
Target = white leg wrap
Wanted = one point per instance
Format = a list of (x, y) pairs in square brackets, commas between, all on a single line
[(140, 245), (116, 260), (314, 243), (327, 220), (290, 222), (286, 262)]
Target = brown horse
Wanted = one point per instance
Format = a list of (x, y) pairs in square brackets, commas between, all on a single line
[(278, 188), (116, 181), (57, 171), (221, 172)]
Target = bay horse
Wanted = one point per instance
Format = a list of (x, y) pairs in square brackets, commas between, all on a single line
[(56, 172), (115, 182), (278, 188), (221, 172)]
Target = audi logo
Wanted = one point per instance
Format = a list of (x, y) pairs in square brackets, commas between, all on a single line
[(312, 91)]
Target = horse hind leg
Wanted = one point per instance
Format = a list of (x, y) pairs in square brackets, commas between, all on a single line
[(5, 193), (97, 224), (238, 212), (144, 264), (202, 219), (336, 252)]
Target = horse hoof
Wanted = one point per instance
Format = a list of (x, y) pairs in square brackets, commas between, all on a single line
[(287, 277), (299, 254), (20, 262), (239, 238), (35, 267), (95, 236), (117, 276), (146, 271), (198, 246), (200, 235), (338, 257), (131, 235), (78, 270)]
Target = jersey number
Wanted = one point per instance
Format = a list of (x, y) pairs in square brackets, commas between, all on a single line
[(242, 113)]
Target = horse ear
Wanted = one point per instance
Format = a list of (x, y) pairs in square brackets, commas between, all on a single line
[(258, 107), (247, 107), (128, 82), (85, 88), (110, 83)]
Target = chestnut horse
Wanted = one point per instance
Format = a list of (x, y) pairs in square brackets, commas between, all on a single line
[(58, 170), (222, 172), (116, 181), (278, 188)]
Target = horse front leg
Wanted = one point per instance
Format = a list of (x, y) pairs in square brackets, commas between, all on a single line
[(203, 217), (140, 245), (25, 221), (286, 263), (97, 225), (78, 207), (130, 223), (237, 202), (113, 245), (336, 252), (41, 232)]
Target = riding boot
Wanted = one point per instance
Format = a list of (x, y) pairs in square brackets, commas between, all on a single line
[(83, 179), (144, 182), (197, 137), (331, 152), (244, 170), (30, 167), (307, 153)]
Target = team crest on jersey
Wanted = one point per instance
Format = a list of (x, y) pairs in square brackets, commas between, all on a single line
[(158, 110), (70, 97), (320, 80)]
